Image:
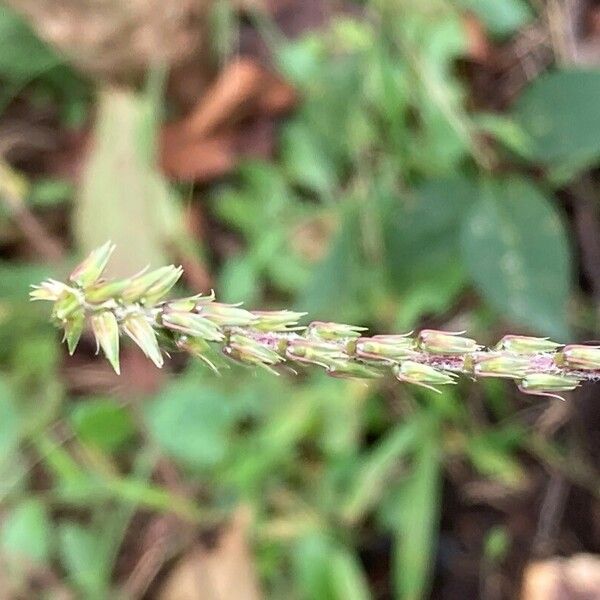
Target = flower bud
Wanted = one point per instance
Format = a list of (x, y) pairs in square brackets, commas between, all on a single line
[(102, 291), (191, 303), (522, 344), (69, 301), (312, 352), (498, 365), (446, 342), (192, 324), (73, 327), (106, 331), (49, 290), (246, 350), (423, 375), (137, 327), (578, 356), (142, 283), (386, 347), (226, 315), (333, 331), (276, 320), (158, 290), (349, 369), (93, 266), (542, 384)]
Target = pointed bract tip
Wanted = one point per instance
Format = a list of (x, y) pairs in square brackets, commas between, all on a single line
[(88, 271)]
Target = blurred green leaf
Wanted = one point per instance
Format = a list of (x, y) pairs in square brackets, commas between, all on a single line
[(516, 250), (559, 112), (423, 232), (377, 466), (9, 422), (497, 544), (27, 532), (337, 281), (348, 581), (304, 161), (84, 559), (191, 422), (310, 556), (495, 459), (417, 512), (103, 423), (23, 56), (51, 191)]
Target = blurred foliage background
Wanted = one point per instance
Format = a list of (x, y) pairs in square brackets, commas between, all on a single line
[(386, 163)]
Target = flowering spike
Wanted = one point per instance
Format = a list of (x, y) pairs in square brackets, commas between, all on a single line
[(137, 327), (578, 356), (106, 331), (93, 266), (446, 342), (268, 338), (523, 344)]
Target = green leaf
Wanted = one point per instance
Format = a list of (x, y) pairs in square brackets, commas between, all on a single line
[(515, 247), (26, 532), (336, 282), (559, 112), (347, 578), (23, 55), (191, 422), (103, 423), (422, 234), (304, 160), (84, 558), (10, 422), (417, 521), (310, 556)]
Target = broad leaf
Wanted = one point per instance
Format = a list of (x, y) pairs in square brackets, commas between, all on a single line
[(560, 113), (515, 247)]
